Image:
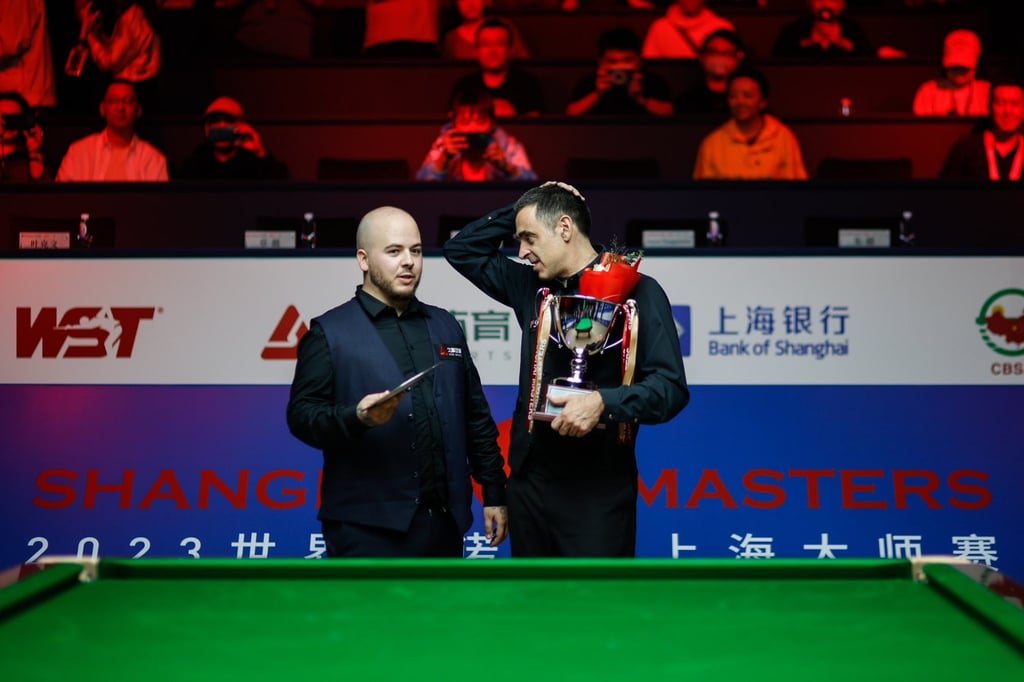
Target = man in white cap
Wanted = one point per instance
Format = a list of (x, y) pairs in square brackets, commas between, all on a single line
[(232, 150), (958, 92)]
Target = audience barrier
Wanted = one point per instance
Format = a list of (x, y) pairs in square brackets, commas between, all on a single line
[(756, 215)]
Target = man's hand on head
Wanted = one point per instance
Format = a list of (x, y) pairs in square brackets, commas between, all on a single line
[(566, 186)]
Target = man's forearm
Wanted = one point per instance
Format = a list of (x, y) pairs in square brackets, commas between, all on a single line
[(480, 240)]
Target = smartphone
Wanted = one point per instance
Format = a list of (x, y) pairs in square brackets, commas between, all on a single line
[(478, 141)]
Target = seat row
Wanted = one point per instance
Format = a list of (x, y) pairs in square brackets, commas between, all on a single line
[(360, 89)]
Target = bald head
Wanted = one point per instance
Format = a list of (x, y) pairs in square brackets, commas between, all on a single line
[(377, 222), (390, 254)]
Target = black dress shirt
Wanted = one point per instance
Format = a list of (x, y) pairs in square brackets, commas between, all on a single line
[(244, 165)]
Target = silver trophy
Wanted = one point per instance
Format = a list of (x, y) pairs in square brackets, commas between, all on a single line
[(582, 324)]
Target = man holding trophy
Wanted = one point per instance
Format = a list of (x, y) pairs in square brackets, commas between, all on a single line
[(600, 356)]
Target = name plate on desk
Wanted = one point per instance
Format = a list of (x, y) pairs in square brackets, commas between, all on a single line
[(668, 239), (269, 239), (44, 240), (864, 238)]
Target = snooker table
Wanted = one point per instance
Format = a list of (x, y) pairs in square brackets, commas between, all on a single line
[(516, 619)]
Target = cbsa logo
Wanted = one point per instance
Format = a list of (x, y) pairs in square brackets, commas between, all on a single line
[(1001, 322)]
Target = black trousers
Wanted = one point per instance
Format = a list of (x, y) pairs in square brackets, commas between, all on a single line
[(433, 533), (563, 506)]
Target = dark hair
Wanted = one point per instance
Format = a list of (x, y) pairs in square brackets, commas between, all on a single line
[(475, 98), (754, 75), (1002, 81), (552, 203), (18, 99), (119, 81), (618, 39), (495, 22), (725, 34)]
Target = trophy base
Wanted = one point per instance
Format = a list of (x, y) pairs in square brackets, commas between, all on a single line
[(548, 412)]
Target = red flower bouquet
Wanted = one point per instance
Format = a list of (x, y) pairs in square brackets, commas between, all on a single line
[(613, 278)]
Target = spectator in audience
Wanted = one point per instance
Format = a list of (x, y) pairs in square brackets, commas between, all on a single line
[(621, 86), (753, 144), (26, 62), (21, 141), (514, 91), (997, 153), (682, 31), (472, 148), (232, 150), (402, 28), (825, 32), (959, 92), (720, 56), (116, 154), (123, 43), (461, 41)]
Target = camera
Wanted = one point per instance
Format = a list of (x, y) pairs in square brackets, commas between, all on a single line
[(621, 77), (223, 135), (19, 122), (478, 141)]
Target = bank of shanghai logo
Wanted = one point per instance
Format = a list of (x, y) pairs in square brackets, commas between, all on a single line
[(1001, 322), (681, 316)]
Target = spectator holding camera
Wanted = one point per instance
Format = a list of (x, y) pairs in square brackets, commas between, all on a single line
[(232, 150), (472, 148), (115, 154), (621, 86), (21, 141)]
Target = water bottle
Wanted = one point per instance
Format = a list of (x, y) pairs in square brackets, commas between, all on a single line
[(83, 240), (79, 54), (307, 234), (715, 235), (76, 60), (906, 234)]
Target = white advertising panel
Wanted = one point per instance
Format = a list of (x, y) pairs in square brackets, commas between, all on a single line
[(741, 320)]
